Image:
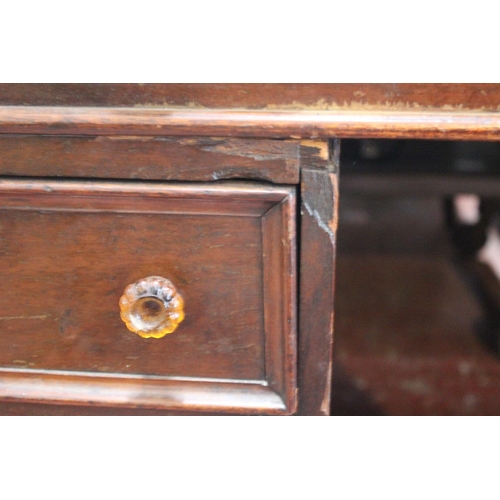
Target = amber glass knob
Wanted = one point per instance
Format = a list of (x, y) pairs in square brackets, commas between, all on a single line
[(151, 307)]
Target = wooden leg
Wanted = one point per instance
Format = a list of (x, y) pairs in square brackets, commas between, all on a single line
[(319, 215)]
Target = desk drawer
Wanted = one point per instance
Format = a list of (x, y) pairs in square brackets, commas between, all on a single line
[(68, 250)]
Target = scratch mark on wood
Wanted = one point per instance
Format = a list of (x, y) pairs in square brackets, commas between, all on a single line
[(141, 138), (323, 206), (39, 316), (325, 403), (321, 223), (280, 150), (335, 221)]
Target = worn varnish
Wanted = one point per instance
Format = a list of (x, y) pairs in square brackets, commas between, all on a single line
[(150, 158), (68, 249), (476, 96), (280, 298), (278, 124), (319, 216), (21, 408), (236, 242)]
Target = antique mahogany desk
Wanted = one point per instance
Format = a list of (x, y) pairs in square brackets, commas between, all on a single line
[(170, 249)]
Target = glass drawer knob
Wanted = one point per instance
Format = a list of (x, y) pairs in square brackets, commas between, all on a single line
[(151, 307)]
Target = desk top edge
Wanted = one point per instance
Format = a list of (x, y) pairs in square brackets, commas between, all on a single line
[(263, 96), (275, 124)]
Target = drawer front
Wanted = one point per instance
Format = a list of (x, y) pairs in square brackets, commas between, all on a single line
[(68, 250)]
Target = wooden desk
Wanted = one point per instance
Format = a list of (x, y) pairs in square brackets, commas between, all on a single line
[(104, 186)]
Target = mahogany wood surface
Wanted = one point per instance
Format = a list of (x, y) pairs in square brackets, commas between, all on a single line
[(475, 96), (318, 222), (20, 408), (232, 243), (280, 298), (150, 158), (238, 199), (343, 123), (177, 395), (68, 250)]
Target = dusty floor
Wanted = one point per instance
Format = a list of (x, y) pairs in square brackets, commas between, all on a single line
[(405, 321)]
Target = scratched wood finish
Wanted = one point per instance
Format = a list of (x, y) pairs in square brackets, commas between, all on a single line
[(19, 409), (10, 408), (476, 96), (177, 395), (68, 250), (280, 298), (318, 222), (350, 123), (150, 158)]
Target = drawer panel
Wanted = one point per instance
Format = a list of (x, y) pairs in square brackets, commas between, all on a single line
[(69, 249)]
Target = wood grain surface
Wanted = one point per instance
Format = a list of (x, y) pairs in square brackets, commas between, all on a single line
[(68, 250), (284, 124), (150, 158), (280, 298), (475, 96), (69, 388), (318, 222)]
